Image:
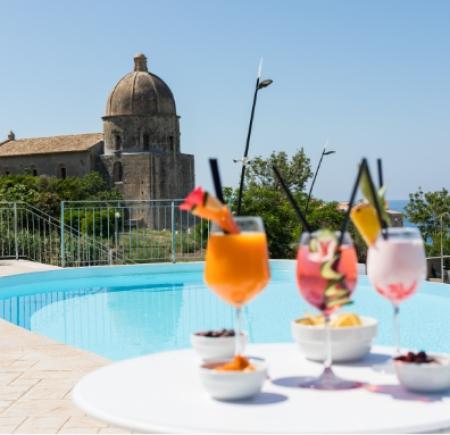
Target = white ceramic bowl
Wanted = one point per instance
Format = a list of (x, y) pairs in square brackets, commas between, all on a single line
[(425, 378), (216, 348), (347, 343), (233, 385)]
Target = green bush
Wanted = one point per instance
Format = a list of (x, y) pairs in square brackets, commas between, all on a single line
[(98, 223), (46, 193)]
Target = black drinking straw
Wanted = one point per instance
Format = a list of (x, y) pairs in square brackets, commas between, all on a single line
[(350, 205), (216, 179), (380, 173), (291, 199), (375, 198)]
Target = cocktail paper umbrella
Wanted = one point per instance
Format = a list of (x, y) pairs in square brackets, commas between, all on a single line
[(203, 204)]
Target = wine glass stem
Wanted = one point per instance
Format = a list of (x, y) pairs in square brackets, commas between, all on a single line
[(237, 331), (328, 357), (396, 327)]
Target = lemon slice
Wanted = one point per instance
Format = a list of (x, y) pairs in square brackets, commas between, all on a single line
[(310, 320), (346, 320), (307, 321), (365, 218)]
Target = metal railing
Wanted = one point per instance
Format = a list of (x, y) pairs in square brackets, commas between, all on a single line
[(102, 232), (29, 233), (138, 231), (113, 232)]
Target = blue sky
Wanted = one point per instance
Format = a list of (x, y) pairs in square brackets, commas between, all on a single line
[(371, 77)]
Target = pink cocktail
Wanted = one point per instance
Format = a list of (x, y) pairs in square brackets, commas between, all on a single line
[(396, 266), (312, 284), (326, 275)]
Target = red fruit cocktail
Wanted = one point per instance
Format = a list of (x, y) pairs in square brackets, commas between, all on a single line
[(327, 273)]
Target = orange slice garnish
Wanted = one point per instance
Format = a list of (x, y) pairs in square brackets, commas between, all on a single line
[(237, 364)]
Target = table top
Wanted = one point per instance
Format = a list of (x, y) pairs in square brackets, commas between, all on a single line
[(162, 393)]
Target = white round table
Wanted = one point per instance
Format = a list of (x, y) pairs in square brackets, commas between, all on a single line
[(162, 393)]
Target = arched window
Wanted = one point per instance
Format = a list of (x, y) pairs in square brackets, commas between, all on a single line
[(62, 172), (117, 142), (146, 141), (171, 144), (117, 172), (34, 172)]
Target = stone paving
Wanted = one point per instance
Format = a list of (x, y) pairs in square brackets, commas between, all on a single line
[(37, 375), (13, 267), (36, 379)]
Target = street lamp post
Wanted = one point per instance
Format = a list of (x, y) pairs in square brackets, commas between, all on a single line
[(116, 231), (259, 85), (324, 153), (442, 244)]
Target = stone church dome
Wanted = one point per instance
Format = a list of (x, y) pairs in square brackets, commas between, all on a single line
[(140, 93)]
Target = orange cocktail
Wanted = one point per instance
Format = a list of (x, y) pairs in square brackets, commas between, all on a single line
[(237, 265)]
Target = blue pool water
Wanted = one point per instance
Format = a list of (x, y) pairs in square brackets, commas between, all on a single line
[(126, 311)]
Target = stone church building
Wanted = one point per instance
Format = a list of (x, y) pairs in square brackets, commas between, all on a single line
[(138, 151)]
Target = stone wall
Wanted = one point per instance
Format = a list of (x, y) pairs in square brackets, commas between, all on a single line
[(155, 133), (186, 174), (149, 176), (77, 164), (146, 176), (134, 184)]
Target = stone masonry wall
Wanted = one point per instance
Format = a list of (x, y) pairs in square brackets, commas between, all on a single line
[(77, 164), (162, 131)]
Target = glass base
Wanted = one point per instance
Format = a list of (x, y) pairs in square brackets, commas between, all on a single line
[(329, 381)]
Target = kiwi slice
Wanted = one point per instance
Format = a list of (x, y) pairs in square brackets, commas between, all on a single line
[(338, 303), (336, 292), (327, 272)]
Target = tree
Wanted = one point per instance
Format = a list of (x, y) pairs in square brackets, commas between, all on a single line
[(281, 225), (264, 197), (46, 193), (425, 209), (296, 170)]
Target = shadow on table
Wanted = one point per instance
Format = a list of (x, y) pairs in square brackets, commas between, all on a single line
[(263, 398), (379, 362), (399, 393), (291, 381), (373, 359)]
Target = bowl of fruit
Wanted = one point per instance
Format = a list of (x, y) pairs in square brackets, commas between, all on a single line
[(422, 372), (216, 345), (239, 378), (351, 336)]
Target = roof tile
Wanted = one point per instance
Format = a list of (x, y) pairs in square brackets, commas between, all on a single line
[(51, 144)]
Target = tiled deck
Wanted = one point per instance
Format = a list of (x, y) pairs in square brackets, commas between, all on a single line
[(13, 267), (36, 379)]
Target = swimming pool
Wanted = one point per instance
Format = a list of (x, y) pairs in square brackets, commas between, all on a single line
[(125, 311)]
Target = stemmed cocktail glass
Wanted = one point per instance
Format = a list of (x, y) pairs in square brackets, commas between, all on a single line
[(327, 275), (396, 265), (237, 266)]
